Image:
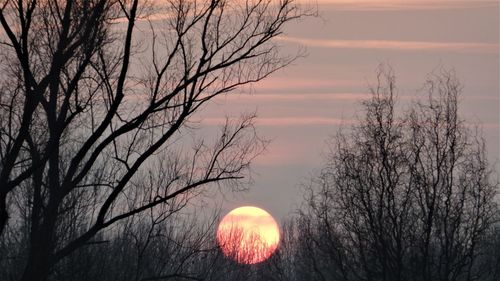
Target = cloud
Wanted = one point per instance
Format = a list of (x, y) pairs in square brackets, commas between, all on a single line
[(394, 45), (289, 121), (389, 5), (275, 83), (292, 97)]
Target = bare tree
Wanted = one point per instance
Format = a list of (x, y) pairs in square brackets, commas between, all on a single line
[(89, 108), (403, 198)]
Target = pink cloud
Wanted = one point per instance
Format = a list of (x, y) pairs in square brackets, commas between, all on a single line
[(369, 5), (288, 121), (394, 45), (297, 97), (294, 83)]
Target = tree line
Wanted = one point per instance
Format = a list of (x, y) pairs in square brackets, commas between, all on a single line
[(404, 195)]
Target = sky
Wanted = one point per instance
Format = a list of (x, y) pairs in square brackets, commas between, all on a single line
[(301, 107)]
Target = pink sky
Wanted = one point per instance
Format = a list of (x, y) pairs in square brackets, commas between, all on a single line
[(300, 107)]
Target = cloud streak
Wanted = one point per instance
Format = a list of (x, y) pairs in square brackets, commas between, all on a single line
[(460, 47), (297, 97), (396, 5), (289, 121)]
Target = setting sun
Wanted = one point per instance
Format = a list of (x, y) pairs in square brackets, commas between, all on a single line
[(248, 235)]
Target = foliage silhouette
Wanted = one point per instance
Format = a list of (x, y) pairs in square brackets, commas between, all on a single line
[(95, 96)]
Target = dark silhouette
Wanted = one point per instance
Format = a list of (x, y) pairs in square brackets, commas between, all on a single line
[(405, 195), (100, 159), (92, 110)]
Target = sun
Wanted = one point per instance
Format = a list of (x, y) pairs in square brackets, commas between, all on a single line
[(248, 235)]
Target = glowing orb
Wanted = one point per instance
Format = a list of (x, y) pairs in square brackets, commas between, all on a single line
[(248, 235)]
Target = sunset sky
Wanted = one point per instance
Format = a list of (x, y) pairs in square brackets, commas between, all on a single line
[(249, 140), (300, 107)]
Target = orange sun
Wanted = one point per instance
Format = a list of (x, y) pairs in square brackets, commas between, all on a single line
[(248, 235)]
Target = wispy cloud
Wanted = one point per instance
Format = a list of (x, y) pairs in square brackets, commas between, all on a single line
[(289, 121), (370, 5), (281, 83), (296, 97), (326, 97), (394, 45)]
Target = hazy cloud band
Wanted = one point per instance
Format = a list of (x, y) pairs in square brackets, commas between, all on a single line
[(396, 5), (394, 45)]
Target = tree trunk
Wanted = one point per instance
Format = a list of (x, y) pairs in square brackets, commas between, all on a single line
[(4, 215), (37, 267), (40, 254), (42, 243)]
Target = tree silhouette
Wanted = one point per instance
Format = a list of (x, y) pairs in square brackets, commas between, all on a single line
[(94, 98), (244, 246), (402, 198)]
